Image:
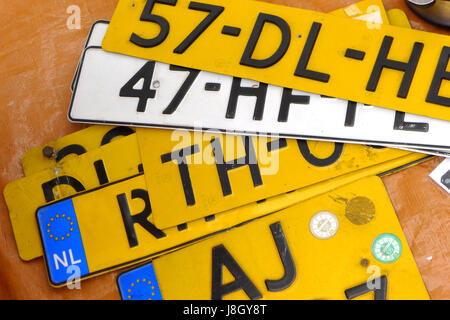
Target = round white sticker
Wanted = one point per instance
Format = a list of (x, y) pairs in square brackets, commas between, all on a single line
[(324, 225)]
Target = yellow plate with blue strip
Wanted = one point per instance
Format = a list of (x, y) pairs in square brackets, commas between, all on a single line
[(345, 244), (123, 158), (376, 64), (121, 233), (65, 178)]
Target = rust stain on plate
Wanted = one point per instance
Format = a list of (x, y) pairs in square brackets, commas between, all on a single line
[(360, 210)]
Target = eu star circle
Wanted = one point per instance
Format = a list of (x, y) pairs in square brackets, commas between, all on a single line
[(324, 225), (59, 227), (141, 289), (387, 248)]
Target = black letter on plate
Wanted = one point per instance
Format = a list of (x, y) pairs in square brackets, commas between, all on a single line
[(304, 149), (223, 167), (440, 74), (221, 257), (214, 12), (180, 157), (301, 70), (247, 59), (409, 68), (286, 258), (237, 90), (351, 114), (116, 132), (101, 172), (181, 93), (286, 101), (380, 293), (146, 73), (147, 16), (401, 124), (70, 149), (140, 218), (47, 187)]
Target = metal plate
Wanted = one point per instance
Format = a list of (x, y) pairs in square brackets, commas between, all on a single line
[(360, 57), (367, 10), (277, 257), (70, 146), (121, 159), (68, 177), (139, 284), (289, 266), (193, 175), (189, 99), (94, 38), (104, 240)]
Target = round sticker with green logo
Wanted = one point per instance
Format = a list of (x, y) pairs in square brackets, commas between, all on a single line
[(387, 248)]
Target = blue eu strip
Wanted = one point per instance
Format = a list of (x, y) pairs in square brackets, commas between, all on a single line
[(63, 246), (139, 284)]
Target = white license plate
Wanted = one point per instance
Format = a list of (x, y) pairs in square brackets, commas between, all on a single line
[(120, 89), (94, 38)]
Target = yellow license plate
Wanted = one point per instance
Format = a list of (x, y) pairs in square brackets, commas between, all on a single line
[(123, 158), (371, 63), (192, 175), (120, 233), (67, 177), (345, 244), (71, 146)]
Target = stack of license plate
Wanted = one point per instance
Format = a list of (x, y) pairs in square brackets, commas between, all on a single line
[(208, 174)]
